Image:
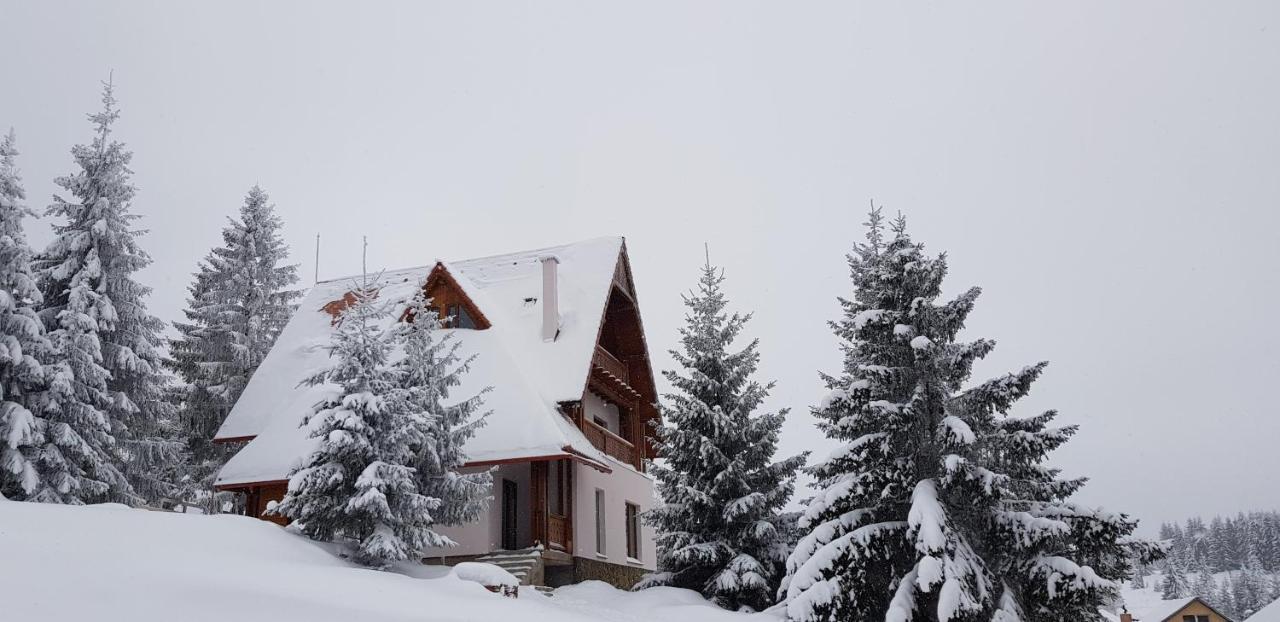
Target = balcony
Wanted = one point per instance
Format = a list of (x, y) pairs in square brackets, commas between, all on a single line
[(610, 443), (558, 532), (611, 365)]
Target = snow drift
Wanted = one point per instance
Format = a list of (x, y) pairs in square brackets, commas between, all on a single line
[(110, 563)]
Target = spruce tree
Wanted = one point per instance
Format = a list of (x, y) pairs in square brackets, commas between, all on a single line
[(937, 504), (359, 484), (1225, 600), (430, 369), (238, 303), (1204, 586), (720, 529), (23, 345), (1252, 590), (1174, 583), (1139, 577), (97, 317)]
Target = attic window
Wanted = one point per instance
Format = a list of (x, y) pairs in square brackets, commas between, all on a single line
[(456, 316)]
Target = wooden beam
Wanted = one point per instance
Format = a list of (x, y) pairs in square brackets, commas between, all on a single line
[(538, 502), (235, 439)]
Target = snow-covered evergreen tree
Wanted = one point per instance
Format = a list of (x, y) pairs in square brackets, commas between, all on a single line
[(430, 369), (96, 314), (359, 483), (1139, 577), (720, 530), (1204, 585), (1174, 583), (1224, 598), (1251, 589), (937, 504), (239, 301), (23, 346)]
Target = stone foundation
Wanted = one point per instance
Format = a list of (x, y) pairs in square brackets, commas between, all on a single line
[(617, 575), (577, 570)]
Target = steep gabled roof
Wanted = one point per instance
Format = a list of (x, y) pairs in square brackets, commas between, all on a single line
[(529, 376)]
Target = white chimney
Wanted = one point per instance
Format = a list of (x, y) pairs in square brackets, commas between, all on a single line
[(550, 299)]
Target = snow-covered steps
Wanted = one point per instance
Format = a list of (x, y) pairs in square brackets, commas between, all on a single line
[(525, 564)]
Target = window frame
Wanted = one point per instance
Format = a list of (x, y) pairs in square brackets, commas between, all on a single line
[(601, 532), (457, 316), (632, 521)]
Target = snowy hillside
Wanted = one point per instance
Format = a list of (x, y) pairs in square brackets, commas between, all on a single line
[(110, 563)]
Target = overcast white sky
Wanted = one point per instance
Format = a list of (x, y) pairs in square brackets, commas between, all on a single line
[(1108, 172)]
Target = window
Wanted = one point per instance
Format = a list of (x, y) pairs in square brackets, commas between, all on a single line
[(1195, 618), (600, 521), (633, 531), (456, 316)]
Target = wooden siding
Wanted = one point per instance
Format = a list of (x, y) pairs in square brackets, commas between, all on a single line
[(257, 498)]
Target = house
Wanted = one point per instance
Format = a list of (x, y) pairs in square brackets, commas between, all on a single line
[(1191, 609), (557, 337)]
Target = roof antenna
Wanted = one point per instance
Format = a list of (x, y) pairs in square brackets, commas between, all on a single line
[(316, 279)]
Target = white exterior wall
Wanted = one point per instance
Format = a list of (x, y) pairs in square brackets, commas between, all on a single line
[(621, 486), (593, 407), (485, 534)]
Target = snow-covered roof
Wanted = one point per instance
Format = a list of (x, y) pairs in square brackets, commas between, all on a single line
[(1270, 613), (1161, 610), (528, 376)]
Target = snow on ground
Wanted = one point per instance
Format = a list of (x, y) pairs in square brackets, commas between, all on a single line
[(110, 563)]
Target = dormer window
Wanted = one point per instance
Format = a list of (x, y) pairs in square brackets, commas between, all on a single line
[(451, 302), (456, 316)]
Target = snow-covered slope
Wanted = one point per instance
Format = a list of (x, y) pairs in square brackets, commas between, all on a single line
[(110, 563)]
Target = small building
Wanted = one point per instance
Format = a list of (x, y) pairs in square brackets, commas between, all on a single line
[(558, 341), (1192, 609)]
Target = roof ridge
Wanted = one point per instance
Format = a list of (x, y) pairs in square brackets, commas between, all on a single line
[(455, 262)]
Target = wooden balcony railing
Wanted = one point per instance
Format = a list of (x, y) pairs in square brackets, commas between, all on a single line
[(611, 364), (558, 532), (610, 443)]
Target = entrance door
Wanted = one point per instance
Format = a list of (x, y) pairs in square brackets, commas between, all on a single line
[(509, 515)]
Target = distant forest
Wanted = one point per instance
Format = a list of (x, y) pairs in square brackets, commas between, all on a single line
[(1225, 544), (1232, 563)]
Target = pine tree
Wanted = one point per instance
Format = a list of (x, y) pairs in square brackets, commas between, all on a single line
[(719, 528), (97, 319), (1204, 585), (937, 505), (359, 483), (1174, 583), (23, 345), (1251, 589), (1225, 600), (238, 303), (1138, 580), (430, 369)]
